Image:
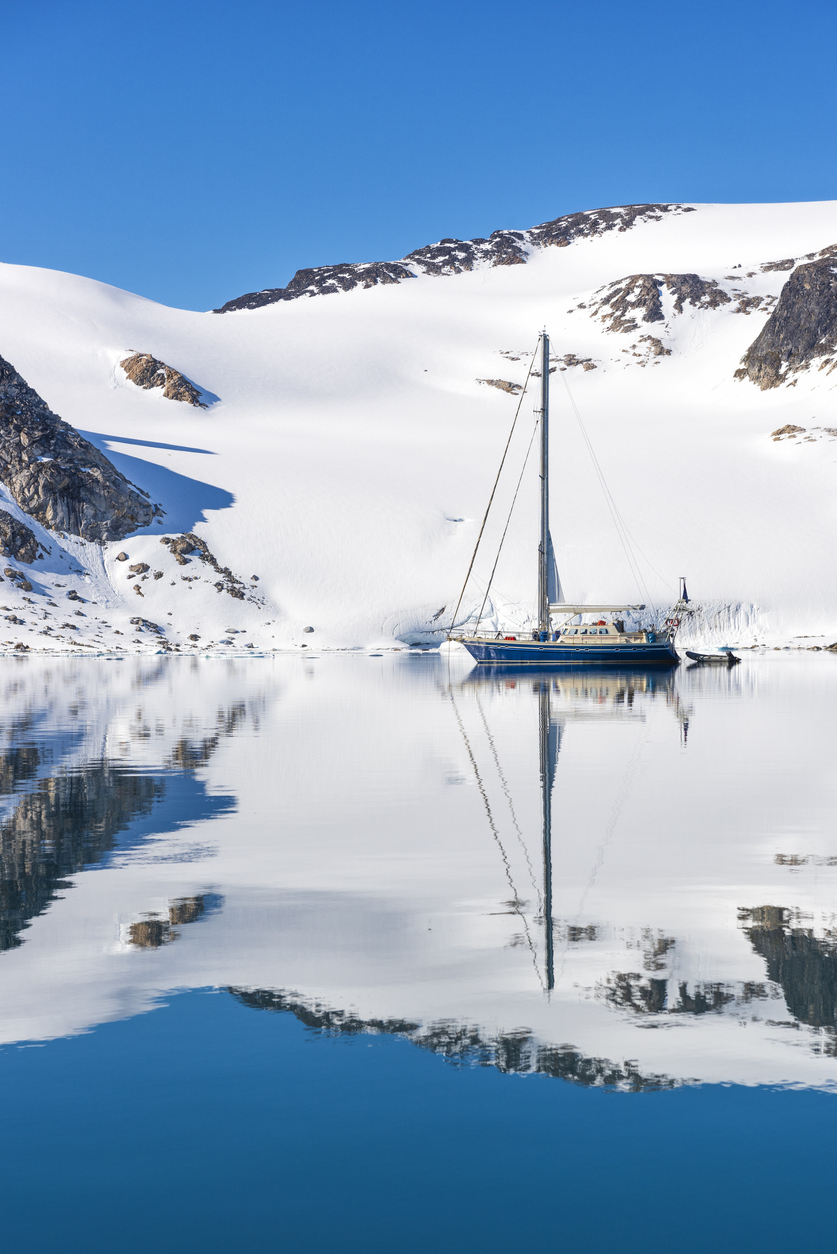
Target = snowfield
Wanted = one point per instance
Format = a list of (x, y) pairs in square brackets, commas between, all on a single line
[(348, 449)]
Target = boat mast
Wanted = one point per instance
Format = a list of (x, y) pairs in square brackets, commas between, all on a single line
[(543, 547)]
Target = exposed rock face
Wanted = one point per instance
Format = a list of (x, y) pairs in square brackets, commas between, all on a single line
[(147, 372), (17, 540), (145, 624), (453, 256), (655, 346), (503, 385), (188, 543), (801, 329), (57, 476), (623, 305), (787, 264), (788, 430), (570, 360)]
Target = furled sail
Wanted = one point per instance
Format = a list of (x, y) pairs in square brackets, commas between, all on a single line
[(553, 581)]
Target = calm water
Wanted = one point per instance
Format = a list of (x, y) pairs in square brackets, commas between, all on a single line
[(386, 953)]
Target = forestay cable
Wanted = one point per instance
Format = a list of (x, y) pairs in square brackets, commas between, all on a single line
[(493, 490)]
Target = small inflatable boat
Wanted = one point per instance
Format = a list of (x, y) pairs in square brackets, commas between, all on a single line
[(720, 657)]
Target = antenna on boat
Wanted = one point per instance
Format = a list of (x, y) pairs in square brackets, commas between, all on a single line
[(544, 546)]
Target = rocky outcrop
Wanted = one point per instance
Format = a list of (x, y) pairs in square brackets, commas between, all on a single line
[(59, 478), (188, 544), (623, 305), (503, 385), (17, 540), (453, 256), (801, 330), (570, 360), (147, 372), (145, 624)]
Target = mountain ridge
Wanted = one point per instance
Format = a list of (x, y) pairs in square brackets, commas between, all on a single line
[(454, 256)]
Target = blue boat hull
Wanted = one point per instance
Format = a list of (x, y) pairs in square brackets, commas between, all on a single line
[(554, 653)]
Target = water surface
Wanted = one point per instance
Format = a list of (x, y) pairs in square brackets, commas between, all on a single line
[(396, 953)]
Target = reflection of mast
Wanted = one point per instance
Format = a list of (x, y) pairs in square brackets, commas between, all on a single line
[(549, 742)]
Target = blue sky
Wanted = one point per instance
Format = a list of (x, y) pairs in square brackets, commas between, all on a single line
[(194, 151)]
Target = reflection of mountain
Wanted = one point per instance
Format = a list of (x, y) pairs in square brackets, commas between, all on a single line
[(74, 820), (17, 766), (510, 1052), (69, 822), (630, 991), (78, 816), (804, 965)]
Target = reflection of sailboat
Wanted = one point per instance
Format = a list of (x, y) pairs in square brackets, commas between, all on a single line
[(603, 642), (549, 738), (580, 697)]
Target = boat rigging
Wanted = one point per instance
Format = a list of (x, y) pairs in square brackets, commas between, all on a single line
[(603, 641)]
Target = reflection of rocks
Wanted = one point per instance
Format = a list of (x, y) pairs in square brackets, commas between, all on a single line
[(153, 931), (189, 755), (631, 991), (511, 1052), (68, 823), (150, 933), (59, 478), (146, 372), (455, 256), (802, 964), (17, 765), (628, 990)]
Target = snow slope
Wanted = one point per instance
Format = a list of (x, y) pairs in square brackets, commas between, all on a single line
[(348, 456)]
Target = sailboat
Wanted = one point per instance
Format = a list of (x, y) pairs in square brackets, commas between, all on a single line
[(602, 640)]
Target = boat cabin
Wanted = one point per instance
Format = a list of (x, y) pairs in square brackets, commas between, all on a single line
[(600, 628)]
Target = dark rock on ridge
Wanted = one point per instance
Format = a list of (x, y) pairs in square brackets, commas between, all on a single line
[(801, 329), (147, 372), (188, 543), (453, 256), (59, 478), (17, 540), (638, 298)]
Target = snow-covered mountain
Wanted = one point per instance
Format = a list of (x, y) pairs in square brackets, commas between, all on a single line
[(323, 452)]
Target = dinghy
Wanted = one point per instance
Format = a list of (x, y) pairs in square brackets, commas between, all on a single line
[(720, 657)]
